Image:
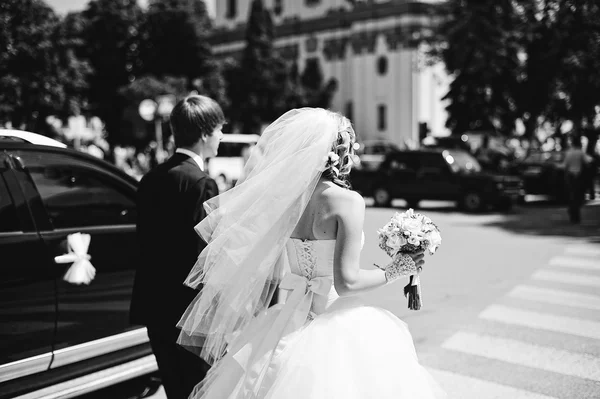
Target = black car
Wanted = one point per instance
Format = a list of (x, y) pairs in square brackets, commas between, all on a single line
[(59, 339), (543, 173), (437, 174)]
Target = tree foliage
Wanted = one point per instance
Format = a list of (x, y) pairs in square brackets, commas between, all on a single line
[(264, 85), (479, 49), (112, 48), (174, 39), (40, 73), (530, 60), (259, 70)]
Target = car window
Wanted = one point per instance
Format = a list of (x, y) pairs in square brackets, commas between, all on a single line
[(77, 195), (462, 161), (8, 211), (433, 161), (369, 150), (403, 163)]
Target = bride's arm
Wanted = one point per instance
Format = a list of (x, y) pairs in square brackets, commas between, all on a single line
[(348, 277)]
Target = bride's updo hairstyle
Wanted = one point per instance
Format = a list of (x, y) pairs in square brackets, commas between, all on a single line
[(342, 157)]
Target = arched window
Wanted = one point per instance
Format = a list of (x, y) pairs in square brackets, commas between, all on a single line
[(382, 65), (349, 113), (231, 9), (278, 7), (382, 117)]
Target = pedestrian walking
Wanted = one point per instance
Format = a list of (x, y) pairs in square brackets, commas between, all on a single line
[(170, 204), (575, 164)]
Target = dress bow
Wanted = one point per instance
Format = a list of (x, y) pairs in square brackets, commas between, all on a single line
[(255, 355), (81, 271)]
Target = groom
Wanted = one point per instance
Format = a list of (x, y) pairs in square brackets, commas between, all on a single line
[(170, 199)]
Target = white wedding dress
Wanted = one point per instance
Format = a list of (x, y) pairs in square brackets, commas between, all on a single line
[(318, 345)]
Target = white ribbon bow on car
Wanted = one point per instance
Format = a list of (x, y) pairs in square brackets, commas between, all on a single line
[(81, 271)]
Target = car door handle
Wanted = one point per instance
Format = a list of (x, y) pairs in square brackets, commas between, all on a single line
[(18, 162)]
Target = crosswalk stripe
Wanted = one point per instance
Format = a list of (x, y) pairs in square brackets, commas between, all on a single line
[(578, 263), (542, 321), (583, 250), (520, 353), (463, 387), (557, 297), (568, 278)]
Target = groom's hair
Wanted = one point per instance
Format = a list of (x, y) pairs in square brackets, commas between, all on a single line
[(194, 117)]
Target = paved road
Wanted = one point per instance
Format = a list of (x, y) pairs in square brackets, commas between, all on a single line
[(511, 303)]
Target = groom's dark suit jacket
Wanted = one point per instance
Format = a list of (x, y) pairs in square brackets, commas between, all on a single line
[(170, 199)]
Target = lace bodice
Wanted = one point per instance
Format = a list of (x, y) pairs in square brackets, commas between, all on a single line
[(313, 260)]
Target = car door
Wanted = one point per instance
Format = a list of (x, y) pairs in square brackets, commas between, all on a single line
[(27, 292), (80, 196), (402, 175), (436, 179)]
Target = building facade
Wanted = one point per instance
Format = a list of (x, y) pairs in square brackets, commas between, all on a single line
[(370, 48)]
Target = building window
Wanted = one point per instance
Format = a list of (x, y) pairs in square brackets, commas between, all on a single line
[(231, 9), (311, 44), (312, 2), (278, 7), (382, 65), (349, 110), (381, 117)]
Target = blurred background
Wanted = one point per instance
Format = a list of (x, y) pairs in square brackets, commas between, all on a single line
[(501, 80)]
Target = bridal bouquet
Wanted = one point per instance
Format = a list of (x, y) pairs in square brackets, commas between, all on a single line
[(410, 232)]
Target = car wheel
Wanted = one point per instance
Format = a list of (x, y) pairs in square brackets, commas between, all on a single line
[(472, 202), (382, 197)]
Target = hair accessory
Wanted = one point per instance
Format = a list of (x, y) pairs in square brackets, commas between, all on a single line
[(333, 158)]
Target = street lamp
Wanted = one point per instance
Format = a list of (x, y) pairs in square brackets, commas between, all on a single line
[(157, 111)]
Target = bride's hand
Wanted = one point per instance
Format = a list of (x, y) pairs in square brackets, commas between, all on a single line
[(419, 259), (404, 264)]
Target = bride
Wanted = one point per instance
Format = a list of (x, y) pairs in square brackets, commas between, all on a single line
[(292, 223)]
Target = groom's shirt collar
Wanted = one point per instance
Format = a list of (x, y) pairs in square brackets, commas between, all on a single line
[(197, 158)]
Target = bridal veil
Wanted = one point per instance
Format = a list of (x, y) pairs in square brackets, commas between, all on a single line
[(247, 228)]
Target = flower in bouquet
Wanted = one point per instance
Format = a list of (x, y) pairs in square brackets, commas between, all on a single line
[(410, 232)]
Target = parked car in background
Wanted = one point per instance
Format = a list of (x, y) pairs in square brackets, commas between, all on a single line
[(543, 173), (228, 166), (489, 148), (447, 142), (373, 152), (59, 339), (437, 174)]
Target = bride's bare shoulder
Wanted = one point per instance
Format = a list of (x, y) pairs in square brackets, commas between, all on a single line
[(341, 199)]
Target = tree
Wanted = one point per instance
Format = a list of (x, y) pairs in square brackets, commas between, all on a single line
[(39, 72), (261, 73), (112, 48), (533, 60), (579, 73), (477, 43), (541, 47), (175, 36), (315, 92), (75, 71)]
